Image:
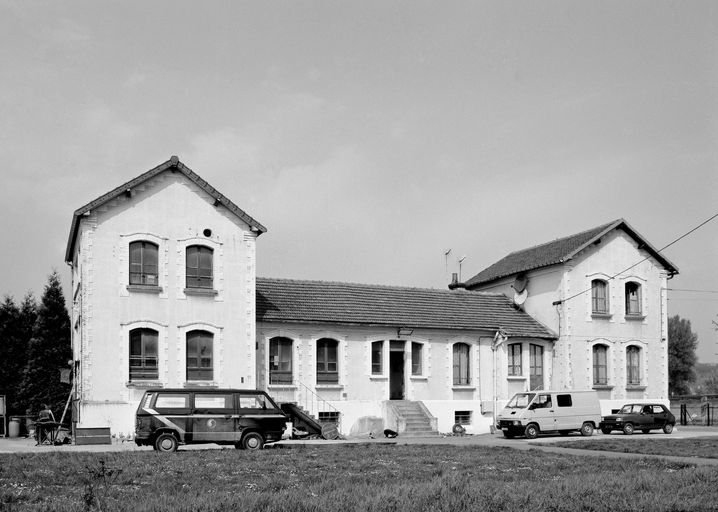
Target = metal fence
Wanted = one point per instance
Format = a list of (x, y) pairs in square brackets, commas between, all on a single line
[(697, 413)]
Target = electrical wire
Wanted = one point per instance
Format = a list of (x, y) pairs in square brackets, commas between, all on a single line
[(641, 261)]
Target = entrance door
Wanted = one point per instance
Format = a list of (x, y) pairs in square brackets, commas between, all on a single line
[(396, 370)]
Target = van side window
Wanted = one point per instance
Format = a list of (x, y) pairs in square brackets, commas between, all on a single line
[(563, 400), (173, 401), (252, 402), (214, 402)]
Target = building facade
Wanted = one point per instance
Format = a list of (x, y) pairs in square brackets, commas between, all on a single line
[(603, 291)]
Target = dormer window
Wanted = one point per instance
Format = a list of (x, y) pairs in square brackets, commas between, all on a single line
[(633, 299), (599, 297), (143, 263)]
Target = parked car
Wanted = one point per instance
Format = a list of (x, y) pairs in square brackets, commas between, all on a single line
[(246, 418), (643, 417), (531, 414)]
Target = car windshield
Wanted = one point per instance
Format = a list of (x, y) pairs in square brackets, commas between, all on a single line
[(520, 400), (631, 408)]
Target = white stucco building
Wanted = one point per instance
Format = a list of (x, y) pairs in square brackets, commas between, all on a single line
[(603, 291), (165, 294)]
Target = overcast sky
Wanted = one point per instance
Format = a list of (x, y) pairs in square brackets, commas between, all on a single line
[(371, 137)]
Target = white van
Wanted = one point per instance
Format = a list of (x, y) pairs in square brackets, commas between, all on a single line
[(531, 413)]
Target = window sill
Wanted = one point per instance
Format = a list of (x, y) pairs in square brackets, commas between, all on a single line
[(602, 387), (144, 288), (634, 318), (201, 384), (601, 316), (463, 387), (202, 292), (515, 377), (635, 387), (330, 386), (419, 377), (281, 386), (378, 377), (144, 384)]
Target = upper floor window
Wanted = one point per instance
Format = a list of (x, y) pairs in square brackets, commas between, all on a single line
[(599, 296), (377, 350), (200, 365), (199, 267), (462, 368), (417, 358), (280, 361), (633, 298), (143, 263), (633, 365), (514, 354), (327, 369), (600, 365), (143, 354)]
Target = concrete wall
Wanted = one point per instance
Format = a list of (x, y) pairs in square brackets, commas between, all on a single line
[(174, 213)]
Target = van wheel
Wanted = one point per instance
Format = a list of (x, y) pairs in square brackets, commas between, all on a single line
[(628, 429), (253, 441), (587, 429), (166, 443), (667, 428), (532, 431)]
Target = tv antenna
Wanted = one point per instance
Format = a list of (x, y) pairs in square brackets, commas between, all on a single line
[(461, 260)]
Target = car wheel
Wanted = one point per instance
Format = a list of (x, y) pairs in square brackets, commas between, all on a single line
[(531, 431), (508, 435), (646, 430), (628, 429), (668, 428), (253, 441), (606, 430), (166, 443), (587, 429)]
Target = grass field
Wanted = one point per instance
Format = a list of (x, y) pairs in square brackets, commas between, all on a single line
[(350, 478), (706, 447)]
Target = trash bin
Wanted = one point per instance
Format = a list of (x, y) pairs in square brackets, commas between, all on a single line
[(13, 428)]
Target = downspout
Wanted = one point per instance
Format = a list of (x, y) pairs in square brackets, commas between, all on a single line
[(499, 338), (75, 366)]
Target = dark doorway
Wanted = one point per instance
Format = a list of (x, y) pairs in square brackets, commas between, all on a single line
[(396, 370)]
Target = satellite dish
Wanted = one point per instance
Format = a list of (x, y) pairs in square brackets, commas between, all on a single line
[(520, 283), (520, 298)]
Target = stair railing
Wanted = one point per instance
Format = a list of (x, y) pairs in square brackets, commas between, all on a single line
[(311, 402)]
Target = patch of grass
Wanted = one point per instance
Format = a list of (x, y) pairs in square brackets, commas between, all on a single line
[(376, 478), (706, 447)]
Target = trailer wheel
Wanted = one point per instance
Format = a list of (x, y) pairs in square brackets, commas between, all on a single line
[(531, 431), (253, 441)]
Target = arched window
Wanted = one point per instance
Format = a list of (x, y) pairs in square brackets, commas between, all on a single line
[(280, 361), (633, 365), (143, 263), (633, 298), (462, 370), (599, 296), (199, 267), (600, 365), (327, 368), (143, 354), (200, 360)]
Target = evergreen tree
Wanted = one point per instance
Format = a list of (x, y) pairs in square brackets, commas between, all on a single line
[(682, 343), (49, 352), (12, 351)]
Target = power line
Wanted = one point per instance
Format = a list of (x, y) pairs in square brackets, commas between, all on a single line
[(687, 290), (641, 261)]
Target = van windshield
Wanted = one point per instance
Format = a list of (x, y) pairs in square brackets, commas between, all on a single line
[(520, 400)]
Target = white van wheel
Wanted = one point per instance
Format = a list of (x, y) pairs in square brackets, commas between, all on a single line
[(532, 431), (587, 429)]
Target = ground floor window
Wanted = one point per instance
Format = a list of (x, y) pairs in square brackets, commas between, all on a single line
[(536, 366), (377, 350), (280, 361), (633, 365), (143, 354), (600, 365), (462, 374), (200, 355), (462, 417), (327, 371), (328, 417)]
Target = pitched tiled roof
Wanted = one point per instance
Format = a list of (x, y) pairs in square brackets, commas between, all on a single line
[(286, 300), (173, 164), (560, 251)]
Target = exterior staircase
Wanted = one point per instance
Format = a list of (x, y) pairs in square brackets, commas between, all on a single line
[(410, 419)]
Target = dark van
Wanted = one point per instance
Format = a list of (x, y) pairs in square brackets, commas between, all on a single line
[(245, 418)]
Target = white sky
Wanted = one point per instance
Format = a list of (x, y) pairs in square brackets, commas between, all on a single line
[(370, 137)]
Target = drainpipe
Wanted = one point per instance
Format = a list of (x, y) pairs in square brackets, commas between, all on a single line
[(499, 338)]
